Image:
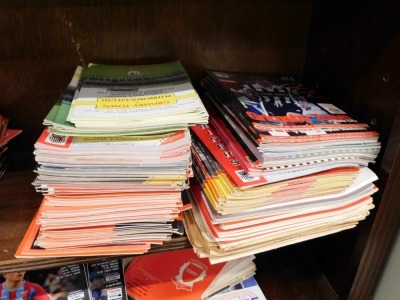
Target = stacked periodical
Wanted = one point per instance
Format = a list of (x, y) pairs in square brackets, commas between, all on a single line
[(189, 277), (275, 165), (113, 161)]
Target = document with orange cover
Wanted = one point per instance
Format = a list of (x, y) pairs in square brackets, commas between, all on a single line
[(28, 247), (170, 275)]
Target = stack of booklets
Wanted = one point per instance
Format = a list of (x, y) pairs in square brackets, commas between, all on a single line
[(6, 134), (181, 274), (276, 165), (113, 161), (114, 100), (286, 127), (246, 289)]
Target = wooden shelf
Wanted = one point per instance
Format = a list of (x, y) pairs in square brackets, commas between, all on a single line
[(10, 264), (19, 203), (291, 273), (349, 51)]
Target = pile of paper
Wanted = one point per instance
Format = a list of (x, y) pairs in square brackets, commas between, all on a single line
[(284, 126), (186, 277), (303, 185), (153, 162), (113, 100), (248, 288), (113, 161)]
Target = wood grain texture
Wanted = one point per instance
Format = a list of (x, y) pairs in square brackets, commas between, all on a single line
[(42, 42), (353, 59), (347, 50), (291, 273)]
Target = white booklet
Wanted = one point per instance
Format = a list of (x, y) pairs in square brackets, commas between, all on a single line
[(136, 97)]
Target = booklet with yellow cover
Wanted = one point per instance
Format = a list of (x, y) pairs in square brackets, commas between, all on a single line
[(110, 100)]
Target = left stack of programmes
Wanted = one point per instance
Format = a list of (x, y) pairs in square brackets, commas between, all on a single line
[(113, 161)]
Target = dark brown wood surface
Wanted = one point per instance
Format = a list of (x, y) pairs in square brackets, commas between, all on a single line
[(353, 58), (18, 202), (291, 273), (347, 50), (42, 42)]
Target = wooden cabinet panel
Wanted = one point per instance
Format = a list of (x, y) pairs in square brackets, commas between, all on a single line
[(349, 51)]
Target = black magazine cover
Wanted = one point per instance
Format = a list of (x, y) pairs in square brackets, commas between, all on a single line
[(276, 100), (271, 112), (106, 280)]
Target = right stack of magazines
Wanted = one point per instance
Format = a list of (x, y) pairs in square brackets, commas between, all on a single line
[(277, 164)]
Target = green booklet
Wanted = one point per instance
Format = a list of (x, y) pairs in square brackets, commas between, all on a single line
[(57, 116)]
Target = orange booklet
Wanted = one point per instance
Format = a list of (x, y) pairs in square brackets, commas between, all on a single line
[(8, 135), (171, 275), (29, 249)]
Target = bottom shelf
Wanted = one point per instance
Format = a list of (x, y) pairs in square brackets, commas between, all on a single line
[(15, 265), (291, 273), (284, 273)]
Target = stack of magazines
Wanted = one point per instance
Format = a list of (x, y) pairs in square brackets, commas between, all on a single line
[(189, 277), (277, 164), (113, 161)]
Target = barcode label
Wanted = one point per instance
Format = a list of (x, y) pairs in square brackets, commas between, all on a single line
[(55, 139), (246, 177), (332, 109)]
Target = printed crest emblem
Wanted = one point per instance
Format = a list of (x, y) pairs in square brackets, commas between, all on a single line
[(190, 272)]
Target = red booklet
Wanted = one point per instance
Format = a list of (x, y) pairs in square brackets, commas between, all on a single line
[(171, 275)]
